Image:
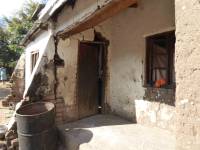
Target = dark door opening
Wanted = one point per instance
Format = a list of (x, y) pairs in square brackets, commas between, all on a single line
[(90, 86)]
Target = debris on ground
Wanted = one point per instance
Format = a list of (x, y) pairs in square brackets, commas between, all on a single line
[(8, 136)]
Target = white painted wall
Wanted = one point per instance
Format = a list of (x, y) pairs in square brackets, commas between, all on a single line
[(40, 44)]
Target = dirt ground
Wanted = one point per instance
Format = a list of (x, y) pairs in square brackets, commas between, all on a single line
[(5, 112)]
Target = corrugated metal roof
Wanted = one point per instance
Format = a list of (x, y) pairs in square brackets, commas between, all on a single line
[(50, 8), (47, 8)]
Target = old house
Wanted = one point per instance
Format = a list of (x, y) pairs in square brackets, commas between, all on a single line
[(125, 57)]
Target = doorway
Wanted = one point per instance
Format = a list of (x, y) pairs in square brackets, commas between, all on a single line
[(90, 78)]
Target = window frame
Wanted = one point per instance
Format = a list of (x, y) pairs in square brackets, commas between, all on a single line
[(34, 58), (149, 58)]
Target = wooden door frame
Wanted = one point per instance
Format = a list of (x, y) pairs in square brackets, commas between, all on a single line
[(105, 71)]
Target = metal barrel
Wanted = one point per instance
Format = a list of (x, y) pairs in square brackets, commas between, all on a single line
[(36, 126)]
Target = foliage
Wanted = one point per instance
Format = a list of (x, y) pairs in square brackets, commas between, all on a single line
[(15, 30), (6, 55), (19, 25)]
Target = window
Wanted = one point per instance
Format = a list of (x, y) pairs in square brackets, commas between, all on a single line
[(34, 58), (160, 60)]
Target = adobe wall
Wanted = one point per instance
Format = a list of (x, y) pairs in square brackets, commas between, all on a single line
[(125, 94), (187, 66), (43, 81), (68, 51), (67, 75), (128, 97)]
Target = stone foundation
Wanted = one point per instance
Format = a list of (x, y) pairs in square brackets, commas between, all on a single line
[(60, 108), (157, 108), (155, 114)]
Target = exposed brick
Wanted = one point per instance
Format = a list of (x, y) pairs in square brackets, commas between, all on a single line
[(49, 97), (60, 106), (59, 114), (5, 103), (60, 100), (59, 120)]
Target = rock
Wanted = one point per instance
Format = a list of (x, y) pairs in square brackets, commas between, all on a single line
[(11, 148), (10, 135), (12, 123), (3, 130), (15, 143), (2, 145), (5, 103), (8, 143)]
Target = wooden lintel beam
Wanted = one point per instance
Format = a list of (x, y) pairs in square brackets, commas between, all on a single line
[(100, 15)]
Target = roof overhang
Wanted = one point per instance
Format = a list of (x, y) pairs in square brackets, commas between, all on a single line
[(37, 11), (37, 27), (44, 15), (96, 16), (93, 18)]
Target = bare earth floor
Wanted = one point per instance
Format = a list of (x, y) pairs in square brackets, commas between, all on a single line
[(5, 112), (4, 90), (108, 132)]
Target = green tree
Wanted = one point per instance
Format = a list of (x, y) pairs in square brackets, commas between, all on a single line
[(12, 31), (7, 56), (19, 25)]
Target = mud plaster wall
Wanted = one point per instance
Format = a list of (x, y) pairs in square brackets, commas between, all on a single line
[(187, 74), (125, 93), (43, 85), (68, 51)]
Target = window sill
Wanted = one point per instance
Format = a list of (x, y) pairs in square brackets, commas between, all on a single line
[(172, 87)]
